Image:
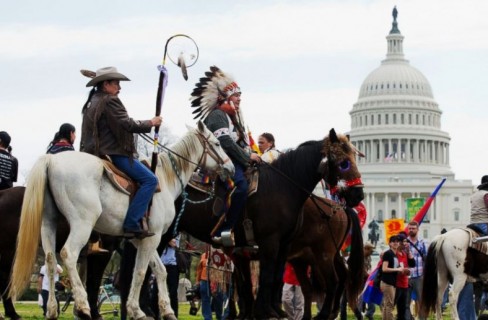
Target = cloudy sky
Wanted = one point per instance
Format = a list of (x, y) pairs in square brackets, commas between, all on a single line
[(299, 63)]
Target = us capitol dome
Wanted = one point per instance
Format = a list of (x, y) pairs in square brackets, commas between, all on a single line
[(396, 123)]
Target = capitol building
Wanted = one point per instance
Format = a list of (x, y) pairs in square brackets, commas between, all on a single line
[(396, 123)]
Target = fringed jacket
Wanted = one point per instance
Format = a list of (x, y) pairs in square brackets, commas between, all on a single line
[(107, 129)]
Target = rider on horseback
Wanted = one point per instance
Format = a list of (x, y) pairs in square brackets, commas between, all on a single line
[(217, 98), (107, 130)]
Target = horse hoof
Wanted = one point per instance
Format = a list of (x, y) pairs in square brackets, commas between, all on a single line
[(170, 316)]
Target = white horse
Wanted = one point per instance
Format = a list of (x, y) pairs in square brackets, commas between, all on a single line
[(74, 184), (451, 256)]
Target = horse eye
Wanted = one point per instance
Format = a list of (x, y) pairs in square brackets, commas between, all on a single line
[(217, 144), (345, 165)]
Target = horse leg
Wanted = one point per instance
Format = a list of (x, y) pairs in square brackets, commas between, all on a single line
[(7, 302), (267, 262), (70, 253), (146, 248), (278, 284), (96, 265), (242, 277), (160, 273), (301, 269), (48, 236), (328, 278), (338, 286)]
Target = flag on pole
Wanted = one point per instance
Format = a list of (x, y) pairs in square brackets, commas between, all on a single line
[(419, 217), (253, 144), (372, 293)]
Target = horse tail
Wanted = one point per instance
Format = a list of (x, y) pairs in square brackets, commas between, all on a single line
[(355, 261), (30, 228), (428, 298)]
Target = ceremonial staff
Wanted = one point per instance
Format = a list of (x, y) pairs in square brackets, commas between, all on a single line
[(184, 53)]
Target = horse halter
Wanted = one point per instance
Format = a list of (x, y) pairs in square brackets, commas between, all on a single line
[(208, 149), (343, 184)]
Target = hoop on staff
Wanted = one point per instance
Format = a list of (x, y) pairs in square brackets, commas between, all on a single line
[(184, 53)]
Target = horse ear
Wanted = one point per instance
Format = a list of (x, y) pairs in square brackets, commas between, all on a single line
[(333, 136), (348, 137)]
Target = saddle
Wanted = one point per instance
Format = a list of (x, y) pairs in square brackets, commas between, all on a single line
[(122, 181), (478, 246), (201, 183)]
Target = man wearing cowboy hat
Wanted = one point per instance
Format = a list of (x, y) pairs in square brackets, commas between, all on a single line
[(107, 130)]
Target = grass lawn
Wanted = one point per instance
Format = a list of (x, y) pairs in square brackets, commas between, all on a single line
[(30, 310)]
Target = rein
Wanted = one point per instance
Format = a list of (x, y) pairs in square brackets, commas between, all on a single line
[(207, 149), (310, 194)]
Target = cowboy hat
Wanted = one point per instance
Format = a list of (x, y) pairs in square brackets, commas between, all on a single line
[(107, 73)]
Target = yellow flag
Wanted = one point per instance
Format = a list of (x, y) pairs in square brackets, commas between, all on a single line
[(393, 227)]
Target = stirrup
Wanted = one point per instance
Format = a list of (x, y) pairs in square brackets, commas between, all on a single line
[(227, 238)]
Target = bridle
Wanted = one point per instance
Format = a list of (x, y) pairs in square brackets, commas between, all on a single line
[(208, 149)]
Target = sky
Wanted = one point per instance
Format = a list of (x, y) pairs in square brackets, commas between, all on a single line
[(299, 64)]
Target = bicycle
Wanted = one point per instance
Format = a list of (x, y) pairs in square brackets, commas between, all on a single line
[(108, 294)]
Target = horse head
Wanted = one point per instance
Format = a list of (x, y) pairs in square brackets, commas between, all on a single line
[(340, 170), (214, 158)]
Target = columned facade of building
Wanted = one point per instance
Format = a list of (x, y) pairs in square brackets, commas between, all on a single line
[(397, 124)]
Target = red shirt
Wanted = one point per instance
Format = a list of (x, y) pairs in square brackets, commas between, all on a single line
[(402, 279), (289, 275)]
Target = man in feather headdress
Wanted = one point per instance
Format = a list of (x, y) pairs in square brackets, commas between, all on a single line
[(217, 99)]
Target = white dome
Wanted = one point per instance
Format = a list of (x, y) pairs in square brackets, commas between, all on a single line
[(395, 77)]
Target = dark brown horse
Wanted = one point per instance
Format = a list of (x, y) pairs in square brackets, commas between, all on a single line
[(10, 208), (275, 210), (317, 245)]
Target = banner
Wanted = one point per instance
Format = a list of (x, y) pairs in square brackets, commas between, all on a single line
[(413, 206), (393, 227), (420, 215)]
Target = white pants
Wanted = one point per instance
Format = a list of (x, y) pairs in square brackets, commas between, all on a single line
[(293, 301)]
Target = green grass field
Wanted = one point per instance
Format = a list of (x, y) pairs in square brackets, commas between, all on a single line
[(30, 310)]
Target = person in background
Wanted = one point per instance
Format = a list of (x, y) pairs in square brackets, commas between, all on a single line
[(9, 165), (406, 260), (418, 247), (266, 144), (292, 296), (43, 285), (63, 139), (390, 269), (214, 276), (173, 276), (479, 206), (107, 130)]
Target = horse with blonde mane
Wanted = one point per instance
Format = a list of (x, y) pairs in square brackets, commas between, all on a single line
[(75, 185)]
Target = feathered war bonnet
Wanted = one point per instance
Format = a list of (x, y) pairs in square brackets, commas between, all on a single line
[(210, 91)]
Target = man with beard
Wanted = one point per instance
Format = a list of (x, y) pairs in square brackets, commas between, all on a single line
[(418, 248)]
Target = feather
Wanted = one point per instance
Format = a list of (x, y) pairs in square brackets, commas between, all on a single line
[(182, 65), (88, 73)]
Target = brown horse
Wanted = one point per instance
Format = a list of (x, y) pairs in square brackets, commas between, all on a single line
[(10, 208), (275, 209), (317, 245)]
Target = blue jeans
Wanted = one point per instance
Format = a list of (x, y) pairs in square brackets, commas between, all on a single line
[(147, 185), (465, 303), (238, 200), (483, 227), (218, 301)]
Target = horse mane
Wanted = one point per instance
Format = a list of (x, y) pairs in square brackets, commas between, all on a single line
[(296, 164), (185, 147)]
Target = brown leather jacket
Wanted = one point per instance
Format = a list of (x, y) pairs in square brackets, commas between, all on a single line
[(107, 129)]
